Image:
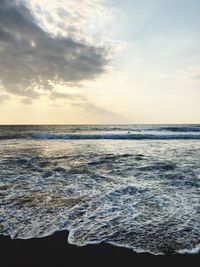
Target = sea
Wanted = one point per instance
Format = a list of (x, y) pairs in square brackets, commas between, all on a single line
[(132, 186)]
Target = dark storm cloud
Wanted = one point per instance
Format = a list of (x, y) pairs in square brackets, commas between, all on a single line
[(31, 59)]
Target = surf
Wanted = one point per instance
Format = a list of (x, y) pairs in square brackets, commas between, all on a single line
[(116, 136)]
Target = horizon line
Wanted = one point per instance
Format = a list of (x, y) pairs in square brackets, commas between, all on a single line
[(87, 124)]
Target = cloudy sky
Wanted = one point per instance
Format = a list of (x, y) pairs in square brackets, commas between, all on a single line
[(99, 61)]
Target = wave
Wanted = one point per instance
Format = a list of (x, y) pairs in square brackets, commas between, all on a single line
[(103, 194), (101, 132), (127, 136), (181, 128)]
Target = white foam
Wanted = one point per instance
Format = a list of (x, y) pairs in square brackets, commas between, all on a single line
[(137, 204), (195, 250)]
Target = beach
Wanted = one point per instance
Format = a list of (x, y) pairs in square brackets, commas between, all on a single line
[(54, 251)]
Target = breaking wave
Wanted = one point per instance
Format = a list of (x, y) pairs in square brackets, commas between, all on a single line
[(181, 128), (128, 136)]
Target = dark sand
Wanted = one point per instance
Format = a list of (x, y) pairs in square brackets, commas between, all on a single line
[(54, 251)]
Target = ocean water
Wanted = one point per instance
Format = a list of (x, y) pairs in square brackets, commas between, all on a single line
[(134, 186)]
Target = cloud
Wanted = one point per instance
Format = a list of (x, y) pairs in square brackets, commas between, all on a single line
[(81, 101), (74, 19), (34, 61), (4, 98), (92, 108), (54, 95), (26, 101)]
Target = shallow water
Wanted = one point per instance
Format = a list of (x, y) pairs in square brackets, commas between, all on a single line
[(140, 194)]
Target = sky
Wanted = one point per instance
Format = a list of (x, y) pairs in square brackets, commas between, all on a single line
[(99, 61)]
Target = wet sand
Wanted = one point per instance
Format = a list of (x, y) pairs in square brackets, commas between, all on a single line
[(54, 251)]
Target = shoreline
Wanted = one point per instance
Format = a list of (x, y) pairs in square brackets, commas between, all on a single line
[(54, 251)]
